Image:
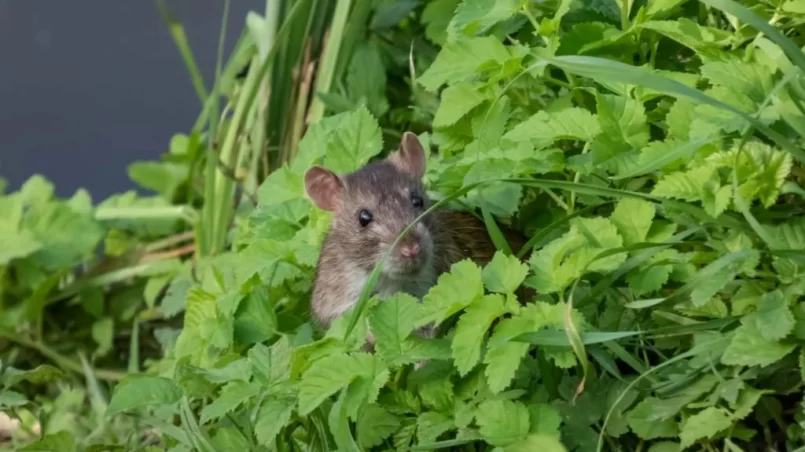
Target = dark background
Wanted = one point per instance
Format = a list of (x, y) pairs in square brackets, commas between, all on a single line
[(89, 86)]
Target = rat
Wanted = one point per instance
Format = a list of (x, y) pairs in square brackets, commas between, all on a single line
[(371, 207)]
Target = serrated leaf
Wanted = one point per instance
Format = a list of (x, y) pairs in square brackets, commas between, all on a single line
[(332, 373), (642, 422), (454, 291), (463, 58), (457, 101), (687, 186), (232, 395), (391, 322), (139, 391), (752, 79), (704, 424), (502, 422), (774, 319), (545, 419), (534, 442), (748, 347), (345, 142), (633, 219), (271, 365), (543, 128), (430, 425), (474, 16), (274, 414), (375, 424), (162, 177), (471, 331), (504, 274)]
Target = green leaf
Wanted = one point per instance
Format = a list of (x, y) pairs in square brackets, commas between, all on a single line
[(502, 422), (103, 335), (774, 319), (66, 236), (704, 424), (454, 291), (504, 274), (545, 420), (391, 322), (44, 373), (563, 260), (375, 424), (139, 391), (457, 101), (345, 142), (271, 365), (274, 414), (332, 373), (471, 331), (162, 177), (430, 426), (543, 128), (474, 16), (36, 190), (462, 59), (645, 424), (62, 441), (633, 219), (748, 347), (534, 442), (232, 395)]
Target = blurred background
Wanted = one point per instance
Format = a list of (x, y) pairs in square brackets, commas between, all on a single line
[(88, 87)]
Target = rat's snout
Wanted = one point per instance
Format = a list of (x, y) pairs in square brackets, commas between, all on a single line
[(410, 249)]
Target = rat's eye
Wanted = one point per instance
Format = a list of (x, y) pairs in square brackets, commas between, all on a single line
[(416, 199), (364, 217)]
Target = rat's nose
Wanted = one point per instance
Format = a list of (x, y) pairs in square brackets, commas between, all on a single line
[(410, 250)]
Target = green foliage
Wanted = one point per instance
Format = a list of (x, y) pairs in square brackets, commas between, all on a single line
[(652, 153)]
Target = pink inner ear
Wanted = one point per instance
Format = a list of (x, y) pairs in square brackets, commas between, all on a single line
[(323, 187)]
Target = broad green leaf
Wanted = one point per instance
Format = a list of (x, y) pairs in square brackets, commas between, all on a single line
[(375, 424), (474, 16), (705, 41), (504, 274), (457, 101), (748, 347), (139, 391), (345, 142), (391, 322), (274, 414), (232, 395), (642, 422), (502, 422), (774, 319), (545, 420), (66, 236), (543, 128), (622, 118), (332, 373), (62, 441), (162, 177), (436, 17), (538, 441), (633, 219), (454, 291), (471, 331), (36, 190), (463, 58), (431, 425), (704, 424), (271, 365)]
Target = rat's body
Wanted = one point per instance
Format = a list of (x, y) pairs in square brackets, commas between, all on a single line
[(371, 207)]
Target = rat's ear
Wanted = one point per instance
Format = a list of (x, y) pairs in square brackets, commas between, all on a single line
[(410, 157), (324, 187)]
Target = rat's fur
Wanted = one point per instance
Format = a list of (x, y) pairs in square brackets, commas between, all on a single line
[(351, 251)]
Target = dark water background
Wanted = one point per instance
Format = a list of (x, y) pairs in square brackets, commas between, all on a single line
[(89, 86)]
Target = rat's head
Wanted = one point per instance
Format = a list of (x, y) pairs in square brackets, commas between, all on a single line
[(373, 205)]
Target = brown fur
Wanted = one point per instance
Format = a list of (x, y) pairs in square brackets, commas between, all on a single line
[(351, 251)]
